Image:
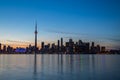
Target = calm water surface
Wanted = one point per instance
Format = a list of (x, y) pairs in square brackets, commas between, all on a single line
[(59, 67)]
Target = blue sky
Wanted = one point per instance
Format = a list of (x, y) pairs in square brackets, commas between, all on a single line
[(89, 20)]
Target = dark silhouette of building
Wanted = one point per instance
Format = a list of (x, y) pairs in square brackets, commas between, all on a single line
[(92, 48), (98, 49), (86, 45), (4, 48), (42, 45), (29, 49), (93, 44), (80, 42), (61, 44), (47, 48), (114, 52), (71, 45), (58, 45), (9, 49), (67, 47), (53, 48), (103, 49)]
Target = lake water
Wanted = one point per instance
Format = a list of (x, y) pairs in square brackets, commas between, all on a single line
[(59, 67)]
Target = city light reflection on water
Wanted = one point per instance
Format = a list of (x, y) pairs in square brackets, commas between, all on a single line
[(59, 67)]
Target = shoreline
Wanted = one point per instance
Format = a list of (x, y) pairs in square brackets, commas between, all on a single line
[(59, 54)]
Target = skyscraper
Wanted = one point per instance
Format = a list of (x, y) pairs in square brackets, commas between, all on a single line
[(93, 48), (98, 48), (80, 42), (93, 44), (71, 45), (58, 45), (4, 48), (42, 45), (103, 49), (61, 44)]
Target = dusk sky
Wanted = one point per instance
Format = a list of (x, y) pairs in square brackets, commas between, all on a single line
[(88, 20)]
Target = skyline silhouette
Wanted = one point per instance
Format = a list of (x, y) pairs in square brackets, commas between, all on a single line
[(61, 46), (70, 47)]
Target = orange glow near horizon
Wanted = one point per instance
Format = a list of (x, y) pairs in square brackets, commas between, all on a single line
[(24, 44), (15, 44), (19, 45)]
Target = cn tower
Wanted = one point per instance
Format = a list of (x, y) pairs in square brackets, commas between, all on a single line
[(36, 38)]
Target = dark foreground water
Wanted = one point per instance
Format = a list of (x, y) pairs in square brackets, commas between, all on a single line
[(57, 67)]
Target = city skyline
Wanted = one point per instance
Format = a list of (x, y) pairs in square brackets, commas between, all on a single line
[(96, 21)]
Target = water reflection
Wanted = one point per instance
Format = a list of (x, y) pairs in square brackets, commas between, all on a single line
[(35, 65), (59, 67), (42, 65), (60, 64)]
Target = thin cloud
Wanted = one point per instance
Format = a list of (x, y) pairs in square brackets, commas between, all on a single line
[(18, 41), (62, 32), (113, 39)]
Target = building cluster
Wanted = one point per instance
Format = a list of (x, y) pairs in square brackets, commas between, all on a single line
[(69, 47), (6, 49), (72, 47)]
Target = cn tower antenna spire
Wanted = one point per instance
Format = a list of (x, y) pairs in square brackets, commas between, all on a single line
[(36, 26)]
